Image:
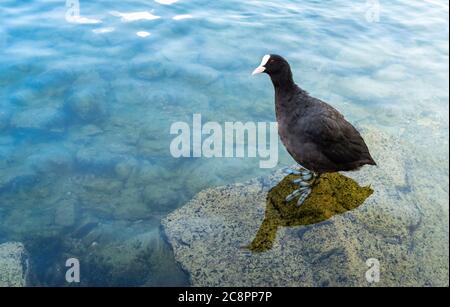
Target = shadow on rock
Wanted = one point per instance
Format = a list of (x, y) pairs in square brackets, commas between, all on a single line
[(334, 194)]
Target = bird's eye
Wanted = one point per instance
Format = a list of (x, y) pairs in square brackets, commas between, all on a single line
[(271, 61)]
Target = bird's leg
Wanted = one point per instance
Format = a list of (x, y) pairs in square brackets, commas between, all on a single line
[(305, 183), (294, 171)]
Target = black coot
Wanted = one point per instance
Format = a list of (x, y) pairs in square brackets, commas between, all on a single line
[(315, 134)]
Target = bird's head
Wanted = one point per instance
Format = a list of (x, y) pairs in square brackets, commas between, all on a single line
[(276, 67)]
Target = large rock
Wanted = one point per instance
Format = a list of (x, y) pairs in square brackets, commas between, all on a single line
[(51, 159), (120, 253), (100, 157), (13, 178), (13, 265), (89, 98), (43, 118), (88, 105), (244, 235)]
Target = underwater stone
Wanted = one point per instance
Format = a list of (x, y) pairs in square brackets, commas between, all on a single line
[(124, 253), (4, 119), (51, 160), (46, 118), (199, 75), (97, 158), (88, 105), (17, 177), (160, 198), (102, 186), (14, 266), (150, 71), (65, 214), (148, 173), (84, 134), (90, 130), (123, 169), (24, 97), (52, 81), (149, 143)]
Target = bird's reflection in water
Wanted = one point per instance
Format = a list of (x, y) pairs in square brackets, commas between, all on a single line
[(333, 194)]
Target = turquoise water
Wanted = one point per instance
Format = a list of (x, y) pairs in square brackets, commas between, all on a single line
[(86, 106)]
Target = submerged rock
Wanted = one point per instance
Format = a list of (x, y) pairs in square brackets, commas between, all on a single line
[(51, 160), (45, 118), (152, 70), (89, 98), (4, 119), (122, 253), (66, 212), (245, 235), (14, 265), (14, 178), (88, 105), (97, 158)]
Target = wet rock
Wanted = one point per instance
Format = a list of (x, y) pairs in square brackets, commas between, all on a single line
[(45, 118), (110, 198), (124, 168), (66, 212), (14, 266), (89, 99), (237, 235), (122, 253), (15, 73), (88, 105), (199, 75), (150, 71), (89, 130), (25, 97), (161, 198), (150, 144), (53, 81), (17, 177), (4, 119), (202, 173), (101, 185), (148, 173), (98, 158), (51, 160)]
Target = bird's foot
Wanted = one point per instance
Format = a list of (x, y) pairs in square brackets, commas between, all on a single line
[(305, 183), (303, 194)]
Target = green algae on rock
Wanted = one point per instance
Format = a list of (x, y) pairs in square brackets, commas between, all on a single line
[(333, 194)]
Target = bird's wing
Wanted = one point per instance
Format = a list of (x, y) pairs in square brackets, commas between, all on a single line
[(336, 138)]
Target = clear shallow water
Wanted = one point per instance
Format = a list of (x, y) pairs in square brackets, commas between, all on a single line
[(86, 108)]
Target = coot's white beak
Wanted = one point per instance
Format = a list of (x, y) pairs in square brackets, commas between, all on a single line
[(261, 67), (258, 70)]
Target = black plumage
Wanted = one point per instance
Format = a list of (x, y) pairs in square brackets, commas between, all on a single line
[(315, 134)]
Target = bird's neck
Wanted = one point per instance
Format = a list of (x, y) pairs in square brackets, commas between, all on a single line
[(283, 82)]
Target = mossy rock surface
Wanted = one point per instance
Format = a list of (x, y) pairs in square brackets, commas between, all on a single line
[(246, 235), (332, 194)]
